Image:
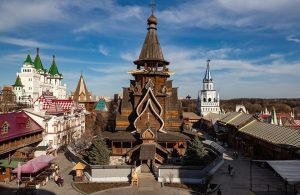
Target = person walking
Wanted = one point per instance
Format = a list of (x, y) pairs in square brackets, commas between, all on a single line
[(56, 180), (229, 169), (219, 192), (61, 182)]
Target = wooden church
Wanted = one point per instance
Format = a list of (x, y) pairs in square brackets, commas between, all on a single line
[(148, 126)]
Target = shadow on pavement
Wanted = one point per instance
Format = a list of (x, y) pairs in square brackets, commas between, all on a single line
[(24, 191)]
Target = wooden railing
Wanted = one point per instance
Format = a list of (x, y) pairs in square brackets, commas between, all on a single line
[(159, 158), (16, 144)]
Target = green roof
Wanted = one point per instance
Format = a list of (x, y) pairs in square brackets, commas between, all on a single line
[(18, 82), (10, 164), (37, 61), (53, 69), (28, 60)]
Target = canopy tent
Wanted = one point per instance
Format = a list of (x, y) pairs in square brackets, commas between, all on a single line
[(31, 167), (43, 158), (35, 164), (289, 170)]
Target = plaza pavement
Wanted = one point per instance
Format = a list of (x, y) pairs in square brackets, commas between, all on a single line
[(239, 184)]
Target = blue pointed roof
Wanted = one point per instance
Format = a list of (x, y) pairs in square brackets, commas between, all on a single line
[(207, 76)]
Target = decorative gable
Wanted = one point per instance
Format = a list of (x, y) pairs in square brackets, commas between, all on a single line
[(149, 112), (148, 134)]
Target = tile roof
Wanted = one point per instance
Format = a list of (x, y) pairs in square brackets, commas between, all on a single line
[(272, 133), (17, 125)]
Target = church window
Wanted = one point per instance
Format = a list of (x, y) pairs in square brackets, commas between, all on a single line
[(5, 128), (204, 99), (209, 99)]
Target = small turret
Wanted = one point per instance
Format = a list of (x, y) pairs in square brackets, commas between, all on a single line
[(53, 71), (38, 65), (28, 60)]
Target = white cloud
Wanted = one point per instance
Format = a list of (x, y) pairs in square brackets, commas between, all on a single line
[(34, 43), (234, 13), (293, 39), (128, 56), (14, 13), (103, 50)]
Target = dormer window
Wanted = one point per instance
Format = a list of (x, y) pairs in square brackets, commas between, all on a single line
[(28, 124), (5, 127)]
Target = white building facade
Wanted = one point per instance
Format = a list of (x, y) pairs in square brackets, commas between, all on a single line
[(61, 126), (208, 98), (36, 80)]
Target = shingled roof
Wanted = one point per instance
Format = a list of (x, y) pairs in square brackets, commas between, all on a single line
[(18, 127), (272, 133), (81, 93), (236, 119), (151, 50)]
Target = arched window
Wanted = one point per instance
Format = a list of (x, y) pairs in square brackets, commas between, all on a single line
[(209, 99), (204, 99)]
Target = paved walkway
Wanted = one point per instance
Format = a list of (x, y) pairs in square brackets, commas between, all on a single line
[(50, 188), (239, 184), (65, 167)]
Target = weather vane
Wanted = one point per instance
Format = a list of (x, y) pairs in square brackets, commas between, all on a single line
[(152, 5)]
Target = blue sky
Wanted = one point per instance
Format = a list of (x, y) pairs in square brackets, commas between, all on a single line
[(254, 45)]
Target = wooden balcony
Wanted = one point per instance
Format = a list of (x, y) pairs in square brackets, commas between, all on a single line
[(19, 143)]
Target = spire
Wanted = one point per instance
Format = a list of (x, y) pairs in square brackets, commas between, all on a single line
[(207, 76), (28, 59), (151, 52), (37, 61), (274, 117), (53, 69), (81, 93), (18, 82)]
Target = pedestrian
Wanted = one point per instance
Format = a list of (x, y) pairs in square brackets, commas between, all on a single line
[(61, 182), (219, 192), (56, 180), (229, 169), (236, 155)]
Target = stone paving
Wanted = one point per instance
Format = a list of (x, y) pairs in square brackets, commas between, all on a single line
[(238, 184)]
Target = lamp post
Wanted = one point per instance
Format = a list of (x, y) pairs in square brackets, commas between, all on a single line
[(251, 175)]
